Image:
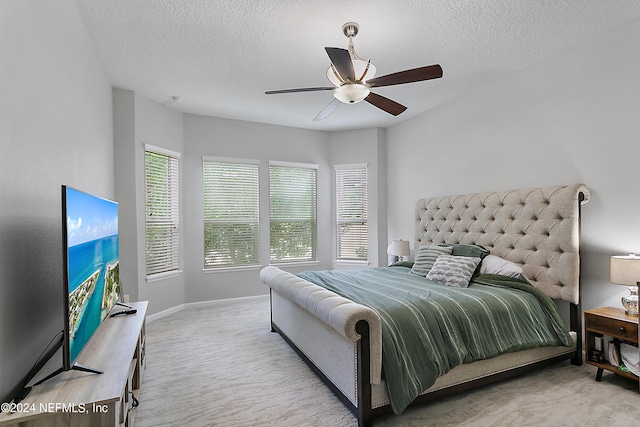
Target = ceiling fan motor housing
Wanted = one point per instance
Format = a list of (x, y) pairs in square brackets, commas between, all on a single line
[(350, 29)]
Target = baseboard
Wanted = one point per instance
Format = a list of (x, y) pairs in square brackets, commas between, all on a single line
[(192, 305), (164, 313)]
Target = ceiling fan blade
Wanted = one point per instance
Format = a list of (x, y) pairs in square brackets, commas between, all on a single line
[(341, 59), (327, 110), (408, 76), (383, 103), (303, 89)]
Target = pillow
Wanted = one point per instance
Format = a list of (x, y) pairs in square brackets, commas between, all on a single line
[(425, 258), (452, 270), (402, 264), (458, 249), (492, 264)]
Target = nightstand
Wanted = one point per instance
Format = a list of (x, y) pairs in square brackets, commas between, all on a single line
[(612, 322)]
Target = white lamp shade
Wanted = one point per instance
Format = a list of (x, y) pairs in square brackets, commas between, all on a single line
[(625, 269), (400, 248), (350, 93)]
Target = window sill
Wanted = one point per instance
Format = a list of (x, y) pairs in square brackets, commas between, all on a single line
[(230, 269), (352, 262), (294, 263), (162, 276)]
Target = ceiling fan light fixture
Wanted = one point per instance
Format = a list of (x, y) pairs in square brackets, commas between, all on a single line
[(351, 93)]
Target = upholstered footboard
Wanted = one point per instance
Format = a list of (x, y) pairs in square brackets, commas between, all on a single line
[(326, 329)]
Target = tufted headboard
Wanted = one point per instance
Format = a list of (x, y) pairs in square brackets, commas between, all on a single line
[(537, 228)]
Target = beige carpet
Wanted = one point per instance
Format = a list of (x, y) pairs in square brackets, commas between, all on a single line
[(220, 365)]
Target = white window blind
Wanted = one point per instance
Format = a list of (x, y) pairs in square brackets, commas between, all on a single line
[(162, 220), (292, 212), (351, 212), (231, 214)]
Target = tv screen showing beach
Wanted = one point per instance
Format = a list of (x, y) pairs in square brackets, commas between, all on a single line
[(92, 273)]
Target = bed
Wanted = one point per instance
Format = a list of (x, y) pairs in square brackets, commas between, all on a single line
[(537, 230)]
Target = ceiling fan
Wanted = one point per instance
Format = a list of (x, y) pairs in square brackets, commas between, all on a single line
[(352, 77)]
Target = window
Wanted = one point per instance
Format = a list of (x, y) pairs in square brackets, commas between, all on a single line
[(231, 216), (351, 212), (162, 221), (292, 201)]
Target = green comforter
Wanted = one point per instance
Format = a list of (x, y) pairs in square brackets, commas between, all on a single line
[(428, 328)]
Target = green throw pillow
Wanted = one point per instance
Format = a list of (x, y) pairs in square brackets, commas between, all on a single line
[(474, 251), (425, 258), (458, 249)]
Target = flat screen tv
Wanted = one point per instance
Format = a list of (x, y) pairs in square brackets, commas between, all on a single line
[(91, 268), (91, 278)]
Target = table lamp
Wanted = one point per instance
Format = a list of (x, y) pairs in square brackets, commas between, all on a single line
[(625, 270), (400, 248)]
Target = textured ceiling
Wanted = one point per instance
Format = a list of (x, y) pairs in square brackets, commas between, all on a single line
[(220, 56)]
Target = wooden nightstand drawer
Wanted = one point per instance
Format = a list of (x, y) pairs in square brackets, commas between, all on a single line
[(614, 327), (614, 323)]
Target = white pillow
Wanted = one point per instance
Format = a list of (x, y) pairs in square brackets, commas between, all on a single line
[(452, 270), (492, 264)]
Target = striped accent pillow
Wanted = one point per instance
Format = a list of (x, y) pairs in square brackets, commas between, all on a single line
[(425, 258), (452, 270)]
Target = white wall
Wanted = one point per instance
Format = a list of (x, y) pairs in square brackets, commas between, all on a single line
[(55, 128), (365, 146), (126, 158), (139, 121), (572, 118), (210, 136)]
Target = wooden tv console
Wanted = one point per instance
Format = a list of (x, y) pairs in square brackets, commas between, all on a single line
[(75, 398)]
